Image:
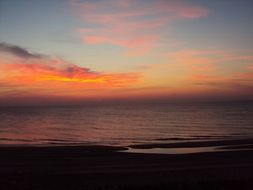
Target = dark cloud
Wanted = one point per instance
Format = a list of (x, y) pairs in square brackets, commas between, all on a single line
[(18, 51)]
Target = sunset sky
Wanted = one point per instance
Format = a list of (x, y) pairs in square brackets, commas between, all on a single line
[(56, 51)]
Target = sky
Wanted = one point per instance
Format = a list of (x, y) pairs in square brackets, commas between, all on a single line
[(66, 51)]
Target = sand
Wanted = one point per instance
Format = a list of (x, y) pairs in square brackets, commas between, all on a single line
[(106, 167)]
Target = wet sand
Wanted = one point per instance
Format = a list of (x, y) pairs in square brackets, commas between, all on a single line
[(105, 167)]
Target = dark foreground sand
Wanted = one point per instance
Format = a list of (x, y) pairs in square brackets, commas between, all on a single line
[(102, 167)]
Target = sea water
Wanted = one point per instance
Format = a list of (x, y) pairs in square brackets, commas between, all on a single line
[(125, 123)]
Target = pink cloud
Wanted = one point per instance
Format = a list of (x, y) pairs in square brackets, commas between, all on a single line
[(134, 25), (193, 11)]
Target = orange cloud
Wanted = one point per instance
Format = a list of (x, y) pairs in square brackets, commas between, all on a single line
[(55, 76), (134, 25)]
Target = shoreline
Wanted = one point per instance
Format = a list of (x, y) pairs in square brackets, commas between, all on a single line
[(220, 143), (207, 143), (164, 141)]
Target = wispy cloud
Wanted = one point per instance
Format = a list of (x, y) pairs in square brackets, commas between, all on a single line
[(196, 60), (18, 51), (239, 79), (134, 25), (202, 72)]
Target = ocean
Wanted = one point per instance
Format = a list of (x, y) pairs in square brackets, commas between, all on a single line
[(125, 124)]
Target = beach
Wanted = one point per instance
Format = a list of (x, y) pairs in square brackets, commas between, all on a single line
[(108, 167)]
